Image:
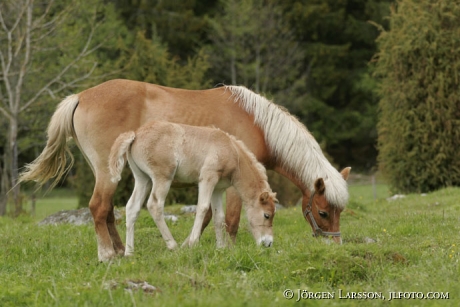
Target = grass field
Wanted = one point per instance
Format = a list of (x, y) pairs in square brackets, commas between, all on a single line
[(416, 252)]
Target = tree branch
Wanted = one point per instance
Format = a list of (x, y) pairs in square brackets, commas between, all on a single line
[(84, 52), (25, 62), (6, 113)]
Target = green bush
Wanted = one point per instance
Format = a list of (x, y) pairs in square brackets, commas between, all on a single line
[(419, 126)]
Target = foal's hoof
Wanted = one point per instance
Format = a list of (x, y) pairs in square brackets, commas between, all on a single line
[(171, 245), (189, 243)]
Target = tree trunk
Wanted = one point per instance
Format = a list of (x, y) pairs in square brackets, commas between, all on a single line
[(4, 186), (13, 152)]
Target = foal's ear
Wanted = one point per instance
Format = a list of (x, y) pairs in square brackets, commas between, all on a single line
[(345, 172), (263, 198), (273, 195), (319, 186)]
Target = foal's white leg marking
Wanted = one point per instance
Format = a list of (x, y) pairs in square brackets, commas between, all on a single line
[(155, 205), (219, 217), (141, 188), (205, 190)]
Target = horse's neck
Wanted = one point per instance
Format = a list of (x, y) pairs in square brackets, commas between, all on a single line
[(294, 178), (247, 179)]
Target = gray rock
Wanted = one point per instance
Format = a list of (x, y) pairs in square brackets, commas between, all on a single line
[(395, 197), (369, 240), (76, 217), (171, 217), (188, 209)]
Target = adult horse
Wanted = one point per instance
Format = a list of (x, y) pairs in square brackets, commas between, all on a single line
[(96, 116)]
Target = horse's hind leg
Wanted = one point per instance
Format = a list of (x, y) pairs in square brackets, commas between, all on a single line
[(113, 232), (108, 240), (233, 212)]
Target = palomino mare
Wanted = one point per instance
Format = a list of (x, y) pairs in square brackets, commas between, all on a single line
[(160, 152), (97, 116)]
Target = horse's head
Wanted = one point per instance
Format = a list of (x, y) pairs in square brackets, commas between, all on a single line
[(323, 217), (260, 216)]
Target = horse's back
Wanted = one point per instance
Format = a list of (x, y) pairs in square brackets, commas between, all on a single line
[(117, 106)]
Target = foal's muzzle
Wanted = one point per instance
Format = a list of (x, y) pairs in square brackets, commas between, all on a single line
[(266, 241)]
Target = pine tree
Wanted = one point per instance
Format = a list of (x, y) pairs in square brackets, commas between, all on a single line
[(419, 125)]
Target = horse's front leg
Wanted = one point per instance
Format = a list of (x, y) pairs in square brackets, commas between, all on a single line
[(233, 213), (207, 219), (219, 217)]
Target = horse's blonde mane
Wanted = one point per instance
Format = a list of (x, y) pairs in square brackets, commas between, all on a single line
[(291, 142)]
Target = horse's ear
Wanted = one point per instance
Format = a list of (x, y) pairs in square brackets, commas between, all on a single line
[(345, 172), (319, 186), (263, 198)]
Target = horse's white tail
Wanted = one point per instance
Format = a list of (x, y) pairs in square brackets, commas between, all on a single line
[(117, 153), (52, 162)]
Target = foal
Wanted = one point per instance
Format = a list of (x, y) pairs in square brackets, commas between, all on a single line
[(160, 152)]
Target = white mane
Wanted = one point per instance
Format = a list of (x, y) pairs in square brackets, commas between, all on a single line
[(291, 142)]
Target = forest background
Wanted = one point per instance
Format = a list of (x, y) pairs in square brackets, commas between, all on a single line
[(317, 58)]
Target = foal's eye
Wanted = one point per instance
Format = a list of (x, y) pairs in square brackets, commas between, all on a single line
[(323, 214), (266, 215)]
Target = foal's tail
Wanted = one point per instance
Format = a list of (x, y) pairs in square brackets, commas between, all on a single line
[(53, 161), (117, 153)]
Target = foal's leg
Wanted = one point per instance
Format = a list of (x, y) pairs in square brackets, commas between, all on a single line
[(108, 240), (141, 188), (218, 212), (205, 190), (155, 205), (233, 213)]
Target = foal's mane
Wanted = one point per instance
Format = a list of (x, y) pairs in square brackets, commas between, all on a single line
[(260, 169), (292, 144)]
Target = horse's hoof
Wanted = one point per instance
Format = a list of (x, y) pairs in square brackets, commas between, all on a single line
[(121, 252), (107, 255)]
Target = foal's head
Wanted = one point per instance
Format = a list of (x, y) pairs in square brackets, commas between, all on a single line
[(260, 216), (323, 217)]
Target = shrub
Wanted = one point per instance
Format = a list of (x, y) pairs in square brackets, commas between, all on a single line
[(419, 126)]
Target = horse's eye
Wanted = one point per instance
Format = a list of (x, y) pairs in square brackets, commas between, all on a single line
[(266, 215), (323, 214)]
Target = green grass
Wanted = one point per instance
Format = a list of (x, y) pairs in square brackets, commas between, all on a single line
[(417, 249)]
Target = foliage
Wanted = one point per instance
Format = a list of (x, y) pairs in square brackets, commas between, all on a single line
[(334, 95), (38, 63), (252, 45), (419, 128), (57, 265), (180, 23)]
